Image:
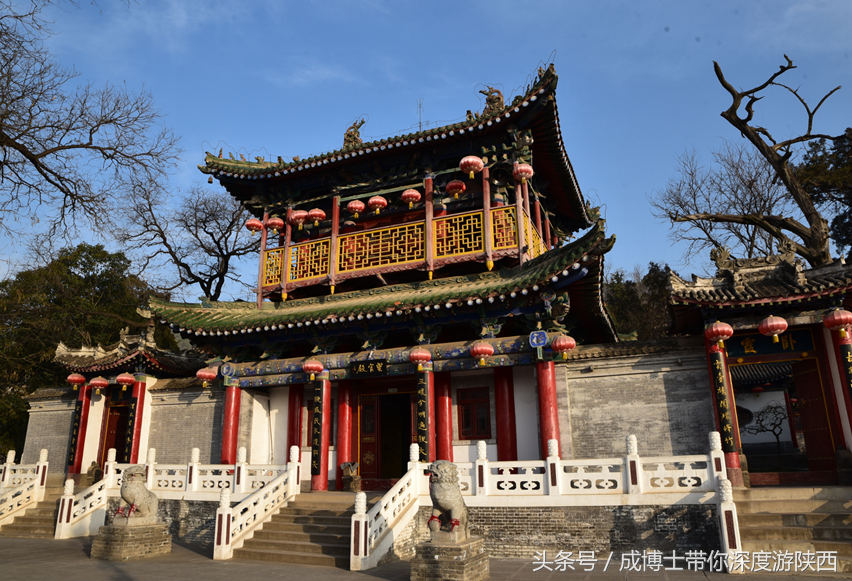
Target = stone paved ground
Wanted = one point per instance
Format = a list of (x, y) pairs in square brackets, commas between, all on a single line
[(45, 559)]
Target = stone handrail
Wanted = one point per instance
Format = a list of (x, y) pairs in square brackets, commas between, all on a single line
[(81, 515), (23, 486), (374, 531), (236, 524)]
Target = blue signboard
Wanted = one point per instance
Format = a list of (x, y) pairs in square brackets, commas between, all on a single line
[(538, 339), (756, 344)]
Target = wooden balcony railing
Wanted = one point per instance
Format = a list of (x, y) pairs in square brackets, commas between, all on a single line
[(456, 238)]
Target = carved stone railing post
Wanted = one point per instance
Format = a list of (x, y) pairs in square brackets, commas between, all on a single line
[(294, 468), (482, 470), (192, 476), (413, 456), (66, 505), (360, 546), (150, 467), (109, 470), (222, 536), (728, 522), (240, 472), (7, 469), (553, 471), (41, 471), (633, 467), (717, 458)]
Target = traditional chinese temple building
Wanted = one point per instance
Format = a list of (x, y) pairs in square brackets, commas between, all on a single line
[(782, 379)]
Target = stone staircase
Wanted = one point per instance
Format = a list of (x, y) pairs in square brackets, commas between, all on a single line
[(313, 530), (38, 522), (797, 519)]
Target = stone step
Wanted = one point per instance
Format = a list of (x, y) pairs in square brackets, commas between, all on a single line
[(315, 504), (291, 557), (37, 521), (45, 511), (810, 519), (793, 506), (305, 528), (839, 548), (311, 519), (296, 547), (328, 538), (316, 511), (26, 530), (793, 493), (790, 533)]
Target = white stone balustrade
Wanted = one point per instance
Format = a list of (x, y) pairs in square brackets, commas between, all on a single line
[(21, 486), (14, 475)]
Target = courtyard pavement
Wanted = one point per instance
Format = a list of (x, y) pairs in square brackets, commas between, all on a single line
[(68, 560)]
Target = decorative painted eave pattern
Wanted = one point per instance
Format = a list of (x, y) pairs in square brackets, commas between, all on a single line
[(634, 348), (829, 280), (244, 318), (546, 129)]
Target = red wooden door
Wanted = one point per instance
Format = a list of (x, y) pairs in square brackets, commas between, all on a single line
[(819, 444), (115, 433), (368, 417)]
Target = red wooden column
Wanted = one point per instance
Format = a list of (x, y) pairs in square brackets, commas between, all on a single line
[(444, 413), (507, 433), (333, 254), (430, 227), (294, 421), (488, 233), (262, 261), (319, 482), (433, 449), (547, 239), (285, 274), (547, 411), (344, 429), (537, 206), (85, 399), (139, 390), (231, 424), (726, 415)]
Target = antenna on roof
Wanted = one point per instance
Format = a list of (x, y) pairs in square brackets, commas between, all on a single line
[(420, 113)]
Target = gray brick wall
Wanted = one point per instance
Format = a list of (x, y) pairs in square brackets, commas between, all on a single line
[(51, 430), (181, 421), (192, 521), (521, 531), (663, 398)]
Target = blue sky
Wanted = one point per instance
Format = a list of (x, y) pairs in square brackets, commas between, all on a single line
[(636, 80)]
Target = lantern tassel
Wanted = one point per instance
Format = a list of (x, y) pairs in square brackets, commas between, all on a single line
[(843, 333), (774, 338), (300, 226), (471, 177), (419, 367), (564, 355), (410, 205), (313, 377), (377, 211), (356, 215), (721, 344)]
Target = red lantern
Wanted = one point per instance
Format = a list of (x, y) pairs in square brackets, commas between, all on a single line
[(124, 380), (772, 326), (838, 320), (275, 224), (254, 225), (455, 188), (377, 203), (99, 383), (471, 165), (207, 375), (356, 207), (411, 196), (76, 380), (757, 391), (312, 367), (563, 344), (419, 355), (298, 217), (481, 349), (719, 333), (523, 172), (316, 216)]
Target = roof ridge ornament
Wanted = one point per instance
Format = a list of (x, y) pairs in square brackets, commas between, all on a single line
[(352, 136)]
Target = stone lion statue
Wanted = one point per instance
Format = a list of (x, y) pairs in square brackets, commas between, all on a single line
[(449, 514), (141, 502)]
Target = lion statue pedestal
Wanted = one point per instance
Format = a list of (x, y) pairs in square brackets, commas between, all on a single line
[(134, 533), (451, 553)]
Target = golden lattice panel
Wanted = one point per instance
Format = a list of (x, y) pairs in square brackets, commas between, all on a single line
[(387, 246), (273, 266), (503, 228), (458, 235), (537, 246), (309, 260)]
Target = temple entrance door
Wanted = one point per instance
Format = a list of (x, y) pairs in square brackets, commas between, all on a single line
[(385, 432), (813, 412), (115, 433)]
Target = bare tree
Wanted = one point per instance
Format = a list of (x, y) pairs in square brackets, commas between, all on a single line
[(193, 240), (739, 183), (769, 419), (810, 236), (68, 151)]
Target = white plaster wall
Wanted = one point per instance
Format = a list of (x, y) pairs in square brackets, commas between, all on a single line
[(526, 412), (754, 403), (279, 399), (261, 431), (93, 431), (468, 453), (145, 433)]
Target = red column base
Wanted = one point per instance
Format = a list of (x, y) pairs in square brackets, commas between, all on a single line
[(732, 467)]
